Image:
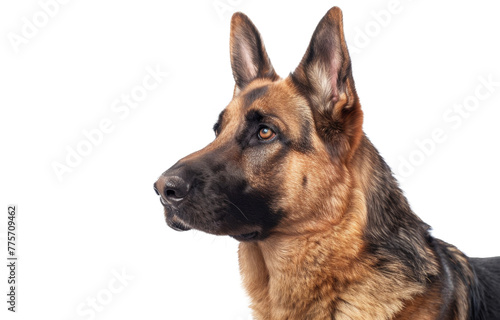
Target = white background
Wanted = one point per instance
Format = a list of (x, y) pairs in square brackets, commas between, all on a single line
[(104, 216)]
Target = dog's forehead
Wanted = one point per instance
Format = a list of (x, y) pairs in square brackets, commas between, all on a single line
[(277, 98)]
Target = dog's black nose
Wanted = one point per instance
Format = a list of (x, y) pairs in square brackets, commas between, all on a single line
[(175, 188), (172, 189)]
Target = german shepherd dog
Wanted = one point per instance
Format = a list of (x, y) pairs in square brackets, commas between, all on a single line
[(325, 231)]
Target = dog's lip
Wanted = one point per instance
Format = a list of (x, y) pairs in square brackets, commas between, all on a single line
[(177, 226), (173, 221), (246, 236)]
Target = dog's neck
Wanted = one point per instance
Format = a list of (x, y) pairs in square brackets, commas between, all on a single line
[(288, 277)]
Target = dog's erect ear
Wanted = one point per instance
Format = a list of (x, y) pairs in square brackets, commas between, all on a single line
[(324, 75), (249, 58)]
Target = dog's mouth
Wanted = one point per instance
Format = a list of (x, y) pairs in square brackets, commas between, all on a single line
[(246, 236), (174, 217), (178, 226), (174, 222)]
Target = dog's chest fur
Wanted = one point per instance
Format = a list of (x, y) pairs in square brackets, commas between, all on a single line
[(314, 283), (327, 279), (299, 288)]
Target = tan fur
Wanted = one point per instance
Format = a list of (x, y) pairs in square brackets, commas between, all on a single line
[(325, 263), (316, 262), (316, 255)]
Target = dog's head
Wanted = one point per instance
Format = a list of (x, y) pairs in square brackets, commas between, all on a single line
[(281, 146)]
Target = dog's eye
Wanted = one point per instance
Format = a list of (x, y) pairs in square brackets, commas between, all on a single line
[(266, 133)]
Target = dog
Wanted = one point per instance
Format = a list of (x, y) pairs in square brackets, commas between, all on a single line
[(325, 231)]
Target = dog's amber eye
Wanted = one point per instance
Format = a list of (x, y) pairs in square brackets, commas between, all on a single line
[(266, 134)]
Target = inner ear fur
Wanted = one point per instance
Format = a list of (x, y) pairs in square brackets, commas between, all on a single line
[(324, 75)]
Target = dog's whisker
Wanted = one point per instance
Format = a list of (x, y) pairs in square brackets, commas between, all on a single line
[(238, 209)]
